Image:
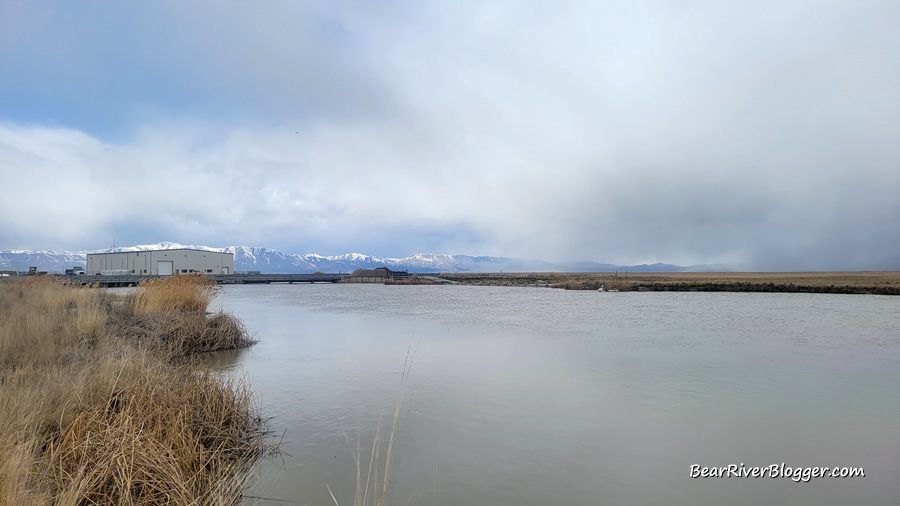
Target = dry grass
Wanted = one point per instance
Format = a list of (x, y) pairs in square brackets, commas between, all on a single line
[(885, 283), (89, 416), (170, 314), (187, 293), (183, 334), (372, 489), (415, 279)]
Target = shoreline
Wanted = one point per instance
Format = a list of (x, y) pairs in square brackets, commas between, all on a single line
[(833, 282), (865, 282)]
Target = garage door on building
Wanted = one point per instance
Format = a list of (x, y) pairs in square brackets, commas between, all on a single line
[(164, 267)]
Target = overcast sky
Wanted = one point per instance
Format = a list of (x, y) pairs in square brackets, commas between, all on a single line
[(764, 135)]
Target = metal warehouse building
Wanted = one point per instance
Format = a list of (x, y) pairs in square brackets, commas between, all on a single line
[(160, 262)]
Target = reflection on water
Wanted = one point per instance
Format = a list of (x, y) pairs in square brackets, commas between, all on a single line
[(538, 396), (223, 361)]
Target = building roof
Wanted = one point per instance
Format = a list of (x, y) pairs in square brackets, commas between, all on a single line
[(160, 250)]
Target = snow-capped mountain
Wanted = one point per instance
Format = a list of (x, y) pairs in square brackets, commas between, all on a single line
[(50, 261), (267, 260), (157, 246)]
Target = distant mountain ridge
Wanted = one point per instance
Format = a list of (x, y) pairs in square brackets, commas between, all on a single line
[(267, 260)]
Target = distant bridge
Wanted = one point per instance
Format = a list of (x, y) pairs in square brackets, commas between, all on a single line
[(222, 279)]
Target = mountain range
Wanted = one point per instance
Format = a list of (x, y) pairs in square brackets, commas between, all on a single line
[(267, 260)]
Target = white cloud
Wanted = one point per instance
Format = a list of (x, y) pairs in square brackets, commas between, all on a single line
[(703, 132)]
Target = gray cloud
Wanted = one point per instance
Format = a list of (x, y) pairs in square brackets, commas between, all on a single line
[(759, 135)]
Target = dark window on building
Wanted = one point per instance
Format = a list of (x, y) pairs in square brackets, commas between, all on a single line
[(183, 271), (145, 271), (208, 270), (132, 271)]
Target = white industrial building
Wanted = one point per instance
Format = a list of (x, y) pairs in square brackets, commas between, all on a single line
[(165, 262)]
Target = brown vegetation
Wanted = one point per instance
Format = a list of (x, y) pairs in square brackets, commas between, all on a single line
[(99, 404), (415, 279), (170, 313), (884, 283), (191, 293), (540, 279)]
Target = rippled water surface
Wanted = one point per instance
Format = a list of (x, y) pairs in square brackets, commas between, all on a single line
[(531, 396)]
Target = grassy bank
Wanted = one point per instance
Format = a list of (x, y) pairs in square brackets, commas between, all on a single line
[(99, 402), (882, 283), (415, 279)]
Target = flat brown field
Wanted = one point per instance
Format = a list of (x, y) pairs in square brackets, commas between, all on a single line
[(881, 282)]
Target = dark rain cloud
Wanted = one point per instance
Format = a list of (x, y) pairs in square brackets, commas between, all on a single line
[(760, 135)]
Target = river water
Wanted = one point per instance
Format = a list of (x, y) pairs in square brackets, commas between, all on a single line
[(535, 396)]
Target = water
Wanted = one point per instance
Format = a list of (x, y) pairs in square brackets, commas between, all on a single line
[(532, 396)]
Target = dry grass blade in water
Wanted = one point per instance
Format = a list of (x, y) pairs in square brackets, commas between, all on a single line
[(374, 492)]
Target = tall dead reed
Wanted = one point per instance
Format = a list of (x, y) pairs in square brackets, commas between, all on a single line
[(186, 293), (91, 415), (170, 313)]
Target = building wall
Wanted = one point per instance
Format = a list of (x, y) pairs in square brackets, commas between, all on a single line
[(147, 262)]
